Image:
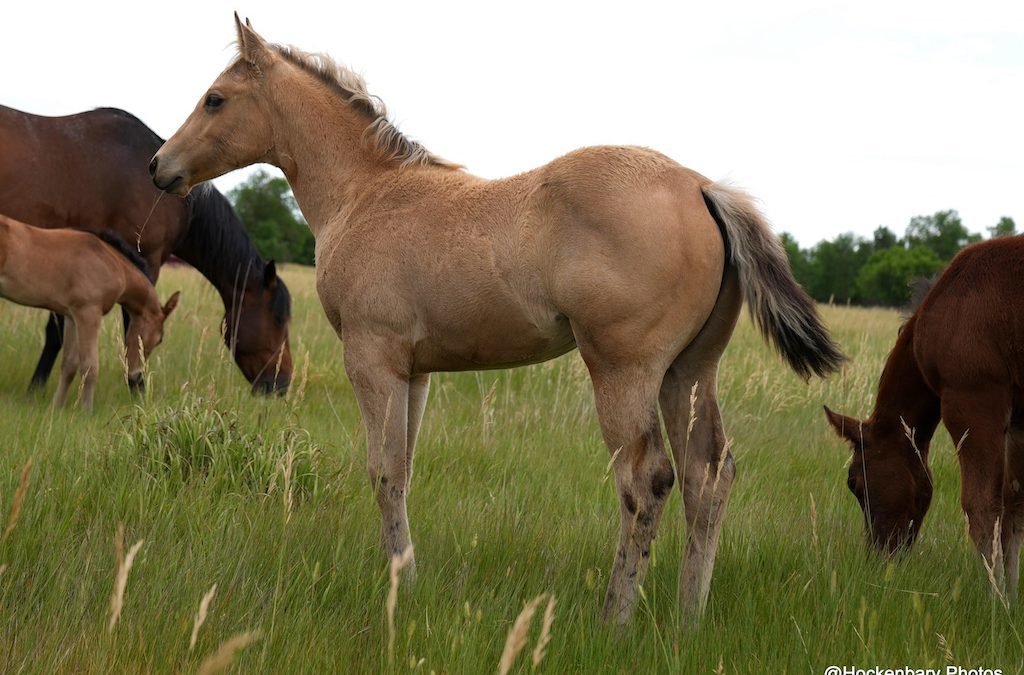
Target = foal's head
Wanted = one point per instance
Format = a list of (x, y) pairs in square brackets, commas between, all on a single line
[(889, 478), (228, 128), (145, 332)]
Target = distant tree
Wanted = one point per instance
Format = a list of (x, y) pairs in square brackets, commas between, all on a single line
[(884, 238), (942, 232), (797, 258), (886, 277), (1004, 228), (266, 206), (833, 267)]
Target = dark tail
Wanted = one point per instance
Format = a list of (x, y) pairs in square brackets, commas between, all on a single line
[(781, 309)]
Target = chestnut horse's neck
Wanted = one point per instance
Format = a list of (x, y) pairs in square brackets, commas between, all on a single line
[(904, 397), (320, 145)]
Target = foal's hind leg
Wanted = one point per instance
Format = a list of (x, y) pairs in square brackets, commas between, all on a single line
[(626, 398), (376, 370), (705, 466), (706, 472)]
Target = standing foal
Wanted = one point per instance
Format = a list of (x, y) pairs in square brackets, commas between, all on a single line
[(81, 276), (421, 267)]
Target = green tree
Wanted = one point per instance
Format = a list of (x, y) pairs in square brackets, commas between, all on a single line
[(942, 232), (833, 267), (266, 206), (798, 261), (1004, 228), (884, 238), (885, 278)]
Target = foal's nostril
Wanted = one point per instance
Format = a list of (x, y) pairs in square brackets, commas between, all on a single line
[(152, 167)]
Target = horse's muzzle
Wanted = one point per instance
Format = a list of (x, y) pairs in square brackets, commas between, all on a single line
[(266, 386), (137, 384)]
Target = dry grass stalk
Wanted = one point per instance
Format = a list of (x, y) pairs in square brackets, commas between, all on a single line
[(517, 635), (545, 632), (19, 500), (222, 659), (204, 606), (814, 522), (397, 563), (947, 651), (611, 463), (994, 570), (124, 566)]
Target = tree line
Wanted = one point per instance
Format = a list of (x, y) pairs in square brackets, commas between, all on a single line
[(267, 207), (879, 271)]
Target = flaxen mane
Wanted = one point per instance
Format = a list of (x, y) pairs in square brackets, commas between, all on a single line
[(382, 133)]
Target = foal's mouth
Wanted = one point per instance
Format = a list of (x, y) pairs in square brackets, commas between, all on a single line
[(169, 187)]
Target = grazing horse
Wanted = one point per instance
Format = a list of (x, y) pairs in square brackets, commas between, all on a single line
[(958, 358), (81, 275), (89, 170), (421, 267)]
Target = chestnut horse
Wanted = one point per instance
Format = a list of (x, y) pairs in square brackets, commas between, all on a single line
[(421, 267), (81, 275), (89, 170), (958, 358)]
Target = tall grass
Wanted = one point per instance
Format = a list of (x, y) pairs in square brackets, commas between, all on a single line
[(269, 501)]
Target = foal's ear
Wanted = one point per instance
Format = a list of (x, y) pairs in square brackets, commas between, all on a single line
[(171, 303), (847, 427), (251, 46)]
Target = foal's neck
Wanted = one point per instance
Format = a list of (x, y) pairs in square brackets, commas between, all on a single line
[(139, 294), (904, 397), (320, 146)]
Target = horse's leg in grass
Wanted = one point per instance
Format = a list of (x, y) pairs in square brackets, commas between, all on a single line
[(705, 468), (626, 398), (89, 354), (376, 370), (1013, 505), (977, 420), (54, 336), (706, 472), (419, 387), (69, 366)]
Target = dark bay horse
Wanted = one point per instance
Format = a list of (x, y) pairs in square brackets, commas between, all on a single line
[(959, 358), (81, 276), (89, 171), (621, 252)]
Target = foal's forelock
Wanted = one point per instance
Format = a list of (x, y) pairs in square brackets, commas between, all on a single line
[(381, 133)]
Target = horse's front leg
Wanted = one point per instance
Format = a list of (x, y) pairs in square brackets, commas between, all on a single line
[(379, 371)]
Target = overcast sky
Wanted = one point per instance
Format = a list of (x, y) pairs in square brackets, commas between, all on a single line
[(837, 116)]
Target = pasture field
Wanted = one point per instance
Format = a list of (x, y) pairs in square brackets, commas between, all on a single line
[(512, 498)]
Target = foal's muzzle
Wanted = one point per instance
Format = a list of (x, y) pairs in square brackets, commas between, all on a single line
[(136, 383)]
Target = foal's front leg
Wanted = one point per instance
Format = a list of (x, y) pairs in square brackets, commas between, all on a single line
[(378, 370)]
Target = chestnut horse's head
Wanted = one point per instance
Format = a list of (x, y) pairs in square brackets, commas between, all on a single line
[(890, 480), (226, 130)]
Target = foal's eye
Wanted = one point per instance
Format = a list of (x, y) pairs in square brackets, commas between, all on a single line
[(213, 101)]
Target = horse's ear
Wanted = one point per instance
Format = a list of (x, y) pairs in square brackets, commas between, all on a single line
[(847, 427), (270, 275), (251, 46), (171, 303)]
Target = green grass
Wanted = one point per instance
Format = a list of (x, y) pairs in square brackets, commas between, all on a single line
[(269, 499)]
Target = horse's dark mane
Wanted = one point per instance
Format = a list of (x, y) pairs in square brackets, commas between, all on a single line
[(219, 241), (121, 246)]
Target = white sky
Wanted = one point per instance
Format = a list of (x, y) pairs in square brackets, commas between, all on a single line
[(837, 116)]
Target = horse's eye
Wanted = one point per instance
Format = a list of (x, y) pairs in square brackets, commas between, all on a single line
[(213, 101)]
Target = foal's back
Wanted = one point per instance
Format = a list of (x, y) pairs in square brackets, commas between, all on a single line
[(970, 327), (58, 270)]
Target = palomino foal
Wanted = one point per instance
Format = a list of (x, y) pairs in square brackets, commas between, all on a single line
[(958, 358), (82, 275), (421, 267)]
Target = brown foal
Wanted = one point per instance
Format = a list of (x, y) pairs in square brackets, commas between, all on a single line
[(80, 276)]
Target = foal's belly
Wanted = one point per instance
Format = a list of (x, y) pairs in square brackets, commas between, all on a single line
[(492, 342)]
